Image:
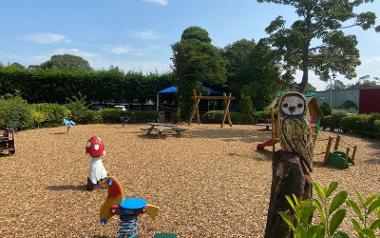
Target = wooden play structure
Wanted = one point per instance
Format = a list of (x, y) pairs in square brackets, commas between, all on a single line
[(197, 98), (315, 115), (338, 158), (7, 141)]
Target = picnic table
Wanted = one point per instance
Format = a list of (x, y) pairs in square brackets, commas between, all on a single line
[(159, 127)]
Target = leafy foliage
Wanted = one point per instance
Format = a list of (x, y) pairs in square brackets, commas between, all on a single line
[(245, 108), (331, 212), (196, 62), (66, 62), (319, 21), (15, 113)]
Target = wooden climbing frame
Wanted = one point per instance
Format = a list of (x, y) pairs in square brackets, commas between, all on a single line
[(336, 147), (227, 101)]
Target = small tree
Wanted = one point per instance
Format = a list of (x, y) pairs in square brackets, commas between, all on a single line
[(196, 61), (66, 62), (320, 21)]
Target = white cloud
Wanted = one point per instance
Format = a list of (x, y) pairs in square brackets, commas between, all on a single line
[(118, 49), (77, 52), (158, 2), (147, 34), (45, 38)]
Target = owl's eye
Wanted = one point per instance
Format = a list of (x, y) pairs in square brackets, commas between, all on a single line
[(285, 105), (299, 105)]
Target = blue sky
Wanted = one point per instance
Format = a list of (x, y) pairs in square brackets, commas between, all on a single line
[(137, 34)]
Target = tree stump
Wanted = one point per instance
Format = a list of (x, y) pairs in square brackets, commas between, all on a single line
[(289, 176)]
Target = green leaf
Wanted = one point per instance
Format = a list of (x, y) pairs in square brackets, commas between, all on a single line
[(336, 220), (357, 226), (320, 210), (306, 213), (295, 199), (374, 205), (286, 218), (337, 201), (375, 224), (320, 192), (291, 203), (341, 234), (368, 233), (316, 231), (356, 209), (333, 185), (361, 199)]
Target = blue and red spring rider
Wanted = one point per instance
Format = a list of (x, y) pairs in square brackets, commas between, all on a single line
[(127, 209)]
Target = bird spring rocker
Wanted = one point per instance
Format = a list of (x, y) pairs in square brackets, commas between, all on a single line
[(128, 209), (197, 99), (69, 124)]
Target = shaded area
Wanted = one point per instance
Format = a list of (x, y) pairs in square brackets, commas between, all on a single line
[(67, 187)]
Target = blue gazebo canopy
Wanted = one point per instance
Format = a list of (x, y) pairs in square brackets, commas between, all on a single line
[(174, 89)]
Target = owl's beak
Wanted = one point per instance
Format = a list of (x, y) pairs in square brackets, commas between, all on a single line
[(292, 109)]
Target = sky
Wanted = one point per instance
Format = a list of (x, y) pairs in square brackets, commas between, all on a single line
[(138, 34)]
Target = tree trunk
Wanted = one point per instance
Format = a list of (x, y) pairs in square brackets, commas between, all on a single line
[(288, 177)]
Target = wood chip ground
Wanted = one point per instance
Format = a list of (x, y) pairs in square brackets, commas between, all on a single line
[(210, 182)]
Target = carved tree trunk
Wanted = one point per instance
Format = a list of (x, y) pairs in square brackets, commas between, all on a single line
[(288, 178)]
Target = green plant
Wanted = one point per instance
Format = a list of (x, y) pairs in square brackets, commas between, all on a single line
[(329, 209), (53, 113), (246, 109), (367, 212), (325, 108), (78, 108), (15, 113)]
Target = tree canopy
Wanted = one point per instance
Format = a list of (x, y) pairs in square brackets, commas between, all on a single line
[(316, 41), (196, 61), (66, 62)]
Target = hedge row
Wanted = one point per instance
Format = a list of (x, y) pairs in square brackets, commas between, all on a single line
[(216, 116), (16, 113), (54, 86), (362, 124)]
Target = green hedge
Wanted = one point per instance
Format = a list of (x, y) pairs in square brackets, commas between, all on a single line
[(362, 124), (49, 114), (113, 116), (333, 121), (216, 116), (15, 113)]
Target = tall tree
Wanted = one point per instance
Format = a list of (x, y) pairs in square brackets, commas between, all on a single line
[(196, 62), (336, 85), (66, 62), (320, 21)]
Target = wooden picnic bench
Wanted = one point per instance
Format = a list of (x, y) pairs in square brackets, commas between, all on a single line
[(159, 128)]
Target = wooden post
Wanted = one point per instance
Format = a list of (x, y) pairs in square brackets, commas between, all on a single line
[(226, 111), (336, 146), (354, 152), (288, 178), (328, 149), (228, 108), (195, 98), (198, 115), (274, 128), (346, 159)]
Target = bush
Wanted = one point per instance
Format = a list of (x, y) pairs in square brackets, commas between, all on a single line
[(348, 104), (15, 113), (362, 124), (110, 115), (325, 108), (334, 121), (79, 111), (49, 114), (245, 109), (261, 116)]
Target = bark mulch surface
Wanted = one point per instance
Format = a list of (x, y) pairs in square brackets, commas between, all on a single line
[(210, 182)]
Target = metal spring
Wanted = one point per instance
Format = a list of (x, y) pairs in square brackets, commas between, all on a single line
[(128, 226)]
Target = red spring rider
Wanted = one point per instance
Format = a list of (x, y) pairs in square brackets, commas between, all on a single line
[(96, 172)]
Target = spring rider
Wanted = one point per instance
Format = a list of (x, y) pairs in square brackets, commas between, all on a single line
[(69, 123), (96, 172), (128, 209)]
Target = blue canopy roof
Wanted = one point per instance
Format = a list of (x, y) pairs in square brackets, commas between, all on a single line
[(174, 89)]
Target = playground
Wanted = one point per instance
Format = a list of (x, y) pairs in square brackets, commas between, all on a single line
[(209, 182)]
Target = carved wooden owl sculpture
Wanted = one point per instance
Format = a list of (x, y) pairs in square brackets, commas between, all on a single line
[(295, 132)]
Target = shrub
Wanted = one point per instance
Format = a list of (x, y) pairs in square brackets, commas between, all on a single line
[(261, 116), (362, 124), (245, 109), (348, 104), (15, 113), (52, 113), (110, 115), (325, 108), (334, 121), (79, 111)]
